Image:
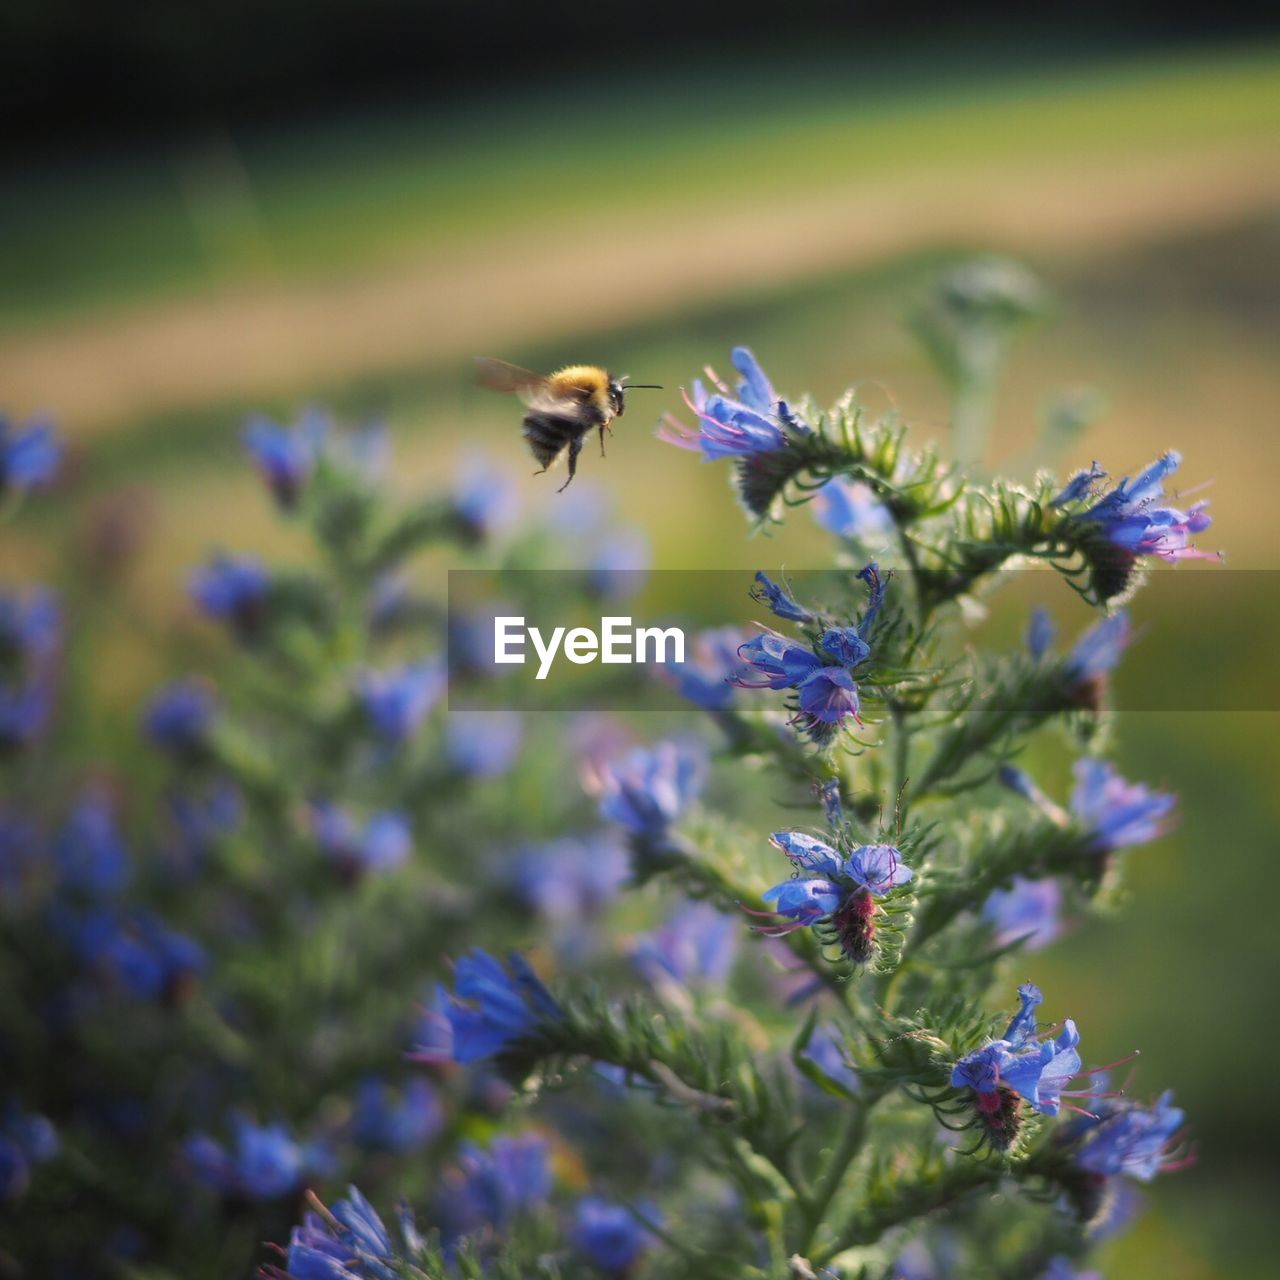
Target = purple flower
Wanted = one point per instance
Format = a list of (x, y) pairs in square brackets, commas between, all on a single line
[(707, 678), (286, 456), (1028, 909), (29, 456), (647, 790), (233, 589), (396, 702), (1132, 1140), (493, 1008), (1120, 813), (753, 421), (609, 1235), (483, 744), (178, 718), (769, 593), (383, 1120), (695, 947), (849, 509), (828, 696)]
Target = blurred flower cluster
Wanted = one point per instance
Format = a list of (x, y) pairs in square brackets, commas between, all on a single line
[(412, 991)]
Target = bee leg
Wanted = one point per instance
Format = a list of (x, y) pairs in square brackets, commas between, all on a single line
[(574, 449), (602, 431)]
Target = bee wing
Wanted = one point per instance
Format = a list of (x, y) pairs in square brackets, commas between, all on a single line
[(510, 379)]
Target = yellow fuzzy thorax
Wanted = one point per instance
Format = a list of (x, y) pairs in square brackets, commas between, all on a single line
[(588, 378)]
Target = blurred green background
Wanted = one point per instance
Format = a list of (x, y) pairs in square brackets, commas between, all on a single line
[(153, 291)]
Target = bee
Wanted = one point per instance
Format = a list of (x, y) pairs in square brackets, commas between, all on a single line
[(562, 407)]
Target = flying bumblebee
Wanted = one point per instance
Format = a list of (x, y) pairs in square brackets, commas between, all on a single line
[(562, 407)]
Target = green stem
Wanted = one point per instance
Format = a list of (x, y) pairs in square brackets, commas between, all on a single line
[(911, 1199)]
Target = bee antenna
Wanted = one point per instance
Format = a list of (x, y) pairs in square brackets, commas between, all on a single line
[(645, 386)]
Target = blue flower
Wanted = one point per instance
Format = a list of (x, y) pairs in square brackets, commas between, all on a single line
[(849, 509), (432, 1036), (26, 1139), (783, 663), (29, 456), (179, 717), (609, 1235), (30, 628), (493, 1008), (569, 880), (754, 421), (768, 592), (286, 456), (826, 692), (30, 638), (396, 702), (1040, 633), (491, 1188), (483, 744), (350, 1242), (805, 901), (1132, 519), (826, 1050), (695, 947), (1019, 1063), (233, 589), (1120, 813), (618, 563), (647, 790), (484, 499), (707, 678), (265, 1163), (384, 843), (845, 645), (839, 894), (89, 852), (1028, 909), (1099, 650), (1080, 486), (1132, 1140), (381, 1120)]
